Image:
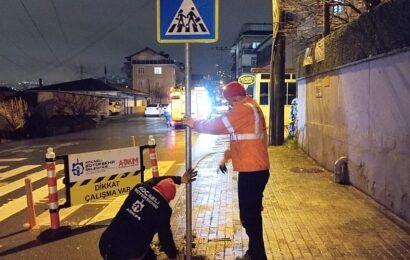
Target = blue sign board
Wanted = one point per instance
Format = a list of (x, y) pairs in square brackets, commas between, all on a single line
[(182, 21)]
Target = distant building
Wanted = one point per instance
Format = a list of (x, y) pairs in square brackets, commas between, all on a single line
[(243, 49), (262, 68), (252, 53), (85, 96), (155, 73)]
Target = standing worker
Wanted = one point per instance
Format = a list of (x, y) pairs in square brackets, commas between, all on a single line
[(144, 213), (167, 115), (248, 150)]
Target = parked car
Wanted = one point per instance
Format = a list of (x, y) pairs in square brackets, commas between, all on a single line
[(154, 109)]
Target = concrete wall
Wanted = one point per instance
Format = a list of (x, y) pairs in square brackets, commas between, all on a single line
[(362, 111)]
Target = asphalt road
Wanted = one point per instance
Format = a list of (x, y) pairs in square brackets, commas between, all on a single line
[(21, 159)]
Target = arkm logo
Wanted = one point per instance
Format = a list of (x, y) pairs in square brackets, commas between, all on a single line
[(129, 162), (78, 168)]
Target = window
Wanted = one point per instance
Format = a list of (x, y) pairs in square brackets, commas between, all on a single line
[(338, 8), (158, 70), (253, 61), (290, 92), (255, 44), (264, 94), (249, 90), (140, 70)]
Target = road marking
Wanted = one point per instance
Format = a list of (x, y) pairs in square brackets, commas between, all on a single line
[(163, 168), (20, 183), (41, 194), (15, 206), (17, 171), (44, 218), (12, 159), (107, 213)]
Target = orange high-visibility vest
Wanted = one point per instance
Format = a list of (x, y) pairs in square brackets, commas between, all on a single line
[(246, 126)]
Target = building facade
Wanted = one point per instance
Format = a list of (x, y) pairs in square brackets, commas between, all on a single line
[(155, 73), (243, 49)]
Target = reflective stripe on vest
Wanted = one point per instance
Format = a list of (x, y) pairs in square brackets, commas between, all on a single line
[(254, 136)]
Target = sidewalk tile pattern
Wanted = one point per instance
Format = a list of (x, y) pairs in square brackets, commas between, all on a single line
[(306, 215)]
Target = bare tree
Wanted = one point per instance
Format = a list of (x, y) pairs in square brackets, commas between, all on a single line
[(307, 20), (159, 93), (77, 104), (14, 111)]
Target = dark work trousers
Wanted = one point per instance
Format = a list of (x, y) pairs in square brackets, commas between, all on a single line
[(250, 192)]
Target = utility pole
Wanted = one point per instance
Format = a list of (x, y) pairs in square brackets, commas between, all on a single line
[(81, 72), (278, 92), (326, 17), (105, 73), (277, 76)]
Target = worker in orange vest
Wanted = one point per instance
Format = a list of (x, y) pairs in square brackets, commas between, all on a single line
[(248, 151)]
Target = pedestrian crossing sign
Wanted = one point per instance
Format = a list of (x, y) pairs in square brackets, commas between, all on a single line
[(183, 21)]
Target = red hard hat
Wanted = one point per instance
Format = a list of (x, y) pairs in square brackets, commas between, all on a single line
[(233, 89), (167, 188)]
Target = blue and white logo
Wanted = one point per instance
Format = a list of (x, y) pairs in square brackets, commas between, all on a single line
[(78, 168)]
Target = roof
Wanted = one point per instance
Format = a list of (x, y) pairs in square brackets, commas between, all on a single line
[(147, 49), (89, 84), (131, 91)]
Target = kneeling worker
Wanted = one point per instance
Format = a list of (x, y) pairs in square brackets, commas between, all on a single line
[(145, 212)]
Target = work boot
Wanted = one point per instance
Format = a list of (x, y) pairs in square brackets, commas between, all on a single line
[(244, 257)]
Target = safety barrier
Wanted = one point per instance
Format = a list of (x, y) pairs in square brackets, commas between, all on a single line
[(52, 188), (55, 231), (31, 212), (153, 156), (125, 171)]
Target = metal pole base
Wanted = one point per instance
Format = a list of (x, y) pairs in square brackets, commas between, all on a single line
[(54, 234)]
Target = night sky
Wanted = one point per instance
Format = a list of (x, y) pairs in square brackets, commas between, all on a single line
[(56, 39)]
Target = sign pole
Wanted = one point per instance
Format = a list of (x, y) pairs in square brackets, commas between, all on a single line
[(187, 21), (188, 153)]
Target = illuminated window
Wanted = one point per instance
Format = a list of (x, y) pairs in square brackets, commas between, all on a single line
[(157, 70), (338, 8), (255, 44)]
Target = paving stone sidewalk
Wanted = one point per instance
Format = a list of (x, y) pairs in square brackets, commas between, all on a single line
[(306, 215)]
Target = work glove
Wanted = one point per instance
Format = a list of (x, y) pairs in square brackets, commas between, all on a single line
[(189, 176), (222, 168)]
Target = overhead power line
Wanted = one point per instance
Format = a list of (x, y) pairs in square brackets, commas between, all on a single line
[(60, 26), (93, 42), (38, 29)]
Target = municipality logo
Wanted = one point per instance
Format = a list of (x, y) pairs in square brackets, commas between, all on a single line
[(78, 168)]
